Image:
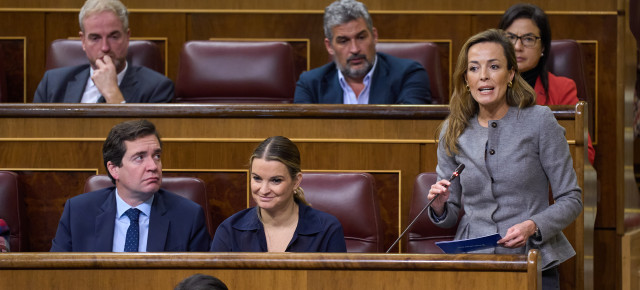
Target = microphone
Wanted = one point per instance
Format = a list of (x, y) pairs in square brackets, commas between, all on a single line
[(454, 175)]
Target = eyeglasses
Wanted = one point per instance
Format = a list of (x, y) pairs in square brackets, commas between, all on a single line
[(528, 40)]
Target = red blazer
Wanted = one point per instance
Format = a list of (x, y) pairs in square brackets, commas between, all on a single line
[(562, 91)]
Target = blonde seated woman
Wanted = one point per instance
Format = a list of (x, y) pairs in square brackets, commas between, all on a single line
[(282, 221)]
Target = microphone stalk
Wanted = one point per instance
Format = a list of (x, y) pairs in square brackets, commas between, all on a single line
[(453, 176)]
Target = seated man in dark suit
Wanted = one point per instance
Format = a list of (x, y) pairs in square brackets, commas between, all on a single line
[(104, 30), (136, 215), (360, 75)]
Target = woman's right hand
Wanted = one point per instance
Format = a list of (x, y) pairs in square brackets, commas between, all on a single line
[(439, 191)]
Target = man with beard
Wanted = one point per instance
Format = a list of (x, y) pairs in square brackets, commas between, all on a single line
[(104, 30), (360, 75)]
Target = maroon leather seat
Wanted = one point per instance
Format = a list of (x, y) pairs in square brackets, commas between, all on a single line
[(188, 187), (350, 197), (12, 211), (566, 60), (235, 72), (425, 53), (68, 52), (424, 234)]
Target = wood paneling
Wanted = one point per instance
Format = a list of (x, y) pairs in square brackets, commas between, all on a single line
[(594, 23), (213, 142), (606, 264), (271, 270), (631, 260), (178, 27), (452, 6), (171, 26), (12, 60), (45, 192), (29, 26), (590, 52), (163, 48)]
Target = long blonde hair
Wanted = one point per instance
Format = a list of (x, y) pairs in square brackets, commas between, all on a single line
[(463, 107), (279, 148)]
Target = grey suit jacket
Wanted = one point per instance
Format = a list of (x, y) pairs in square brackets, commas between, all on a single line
[(139, 85), (525, 152)]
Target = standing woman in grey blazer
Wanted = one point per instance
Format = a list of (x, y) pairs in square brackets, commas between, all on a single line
[(513, 150)]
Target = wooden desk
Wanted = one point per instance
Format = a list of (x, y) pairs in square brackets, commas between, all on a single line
[(270, 271), (631, 260), (54, 147)]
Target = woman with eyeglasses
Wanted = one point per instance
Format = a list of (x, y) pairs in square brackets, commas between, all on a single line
[(527, 27)]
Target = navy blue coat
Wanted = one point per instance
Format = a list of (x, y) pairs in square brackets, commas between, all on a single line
[(394, 81), (139, 85), (317, 231), (176, 224)]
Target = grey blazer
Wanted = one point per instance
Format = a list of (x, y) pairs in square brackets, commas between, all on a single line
[(509, 167)]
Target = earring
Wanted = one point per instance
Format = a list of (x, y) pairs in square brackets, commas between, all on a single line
[(510, 84), (541, 54), (467, 87)]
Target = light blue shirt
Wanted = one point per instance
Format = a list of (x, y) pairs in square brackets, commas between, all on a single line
[(122, 224), (349, 95)]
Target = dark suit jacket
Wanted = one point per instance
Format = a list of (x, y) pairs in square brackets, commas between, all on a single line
[(394, 81), (317, 231), (139, 85), (176, 224)]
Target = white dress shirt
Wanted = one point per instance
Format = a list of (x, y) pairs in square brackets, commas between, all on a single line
[(91, 93), (349, 95)]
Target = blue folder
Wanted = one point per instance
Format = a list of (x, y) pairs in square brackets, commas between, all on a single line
[(469, 245)]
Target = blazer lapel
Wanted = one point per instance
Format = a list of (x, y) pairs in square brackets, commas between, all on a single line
[(129, 86), (158, 225), (105, 223), (379, 91), (75, 87), (333, 91)]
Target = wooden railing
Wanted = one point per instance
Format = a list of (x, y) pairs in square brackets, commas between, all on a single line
[(270, 270), (55, 147)]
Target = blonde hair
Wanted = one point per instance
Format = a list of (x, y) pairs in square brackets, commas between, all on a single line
[(279, 148), (463, 107)]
